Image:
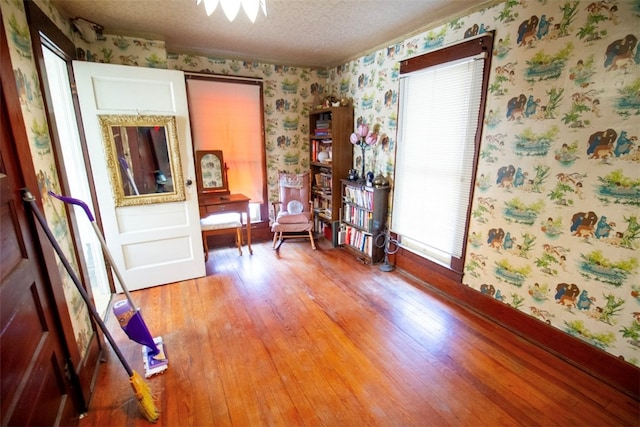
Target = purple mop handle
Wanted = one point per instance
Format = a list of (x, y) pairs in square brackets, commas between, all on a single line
[(73, 201), (125, 167), (105, 250), (140, 326)]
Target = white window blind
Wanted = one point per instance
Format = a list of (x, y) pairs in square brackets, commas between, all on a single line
[(438, 121)]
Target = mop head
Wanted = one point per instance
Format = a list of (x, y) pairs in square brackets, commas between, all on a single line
[(143, 396), (154, 364)]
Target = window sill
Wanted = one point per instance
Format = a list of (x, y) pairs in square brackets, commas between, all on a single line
[(421, 267)]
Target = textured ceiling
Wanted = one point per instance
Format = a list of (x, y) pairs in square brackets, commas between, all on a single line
[(322, 33)]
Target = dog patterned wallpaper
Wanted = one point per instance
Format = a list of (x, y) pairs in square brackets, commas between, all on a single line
[(554, 229)]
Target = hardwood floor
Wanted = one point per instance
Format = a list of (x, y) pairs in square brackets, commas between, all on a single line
[(303, 337)]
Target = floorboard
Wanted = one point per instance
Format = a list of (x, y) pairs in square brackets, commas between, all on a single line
[(298, 337)]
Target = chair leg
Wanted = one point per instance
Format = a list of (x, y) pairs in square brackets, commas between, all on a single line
[(313, 243), (206, 247), (239, 240), (278, 240), (275, 239)]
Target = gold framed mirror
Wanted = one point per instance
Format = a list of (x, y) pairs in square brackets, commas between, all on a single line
[(143, 159), (211, 172)]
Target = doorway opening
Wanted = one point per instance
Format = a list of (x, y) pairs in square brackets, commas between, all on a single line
[(70, 146)]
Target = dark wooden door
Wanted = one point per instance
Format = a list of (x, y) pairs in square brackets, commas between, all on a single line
[(34, 388)]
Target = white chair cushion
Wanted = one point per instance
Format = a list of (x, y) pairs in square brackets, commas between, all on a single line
[(220, 222)]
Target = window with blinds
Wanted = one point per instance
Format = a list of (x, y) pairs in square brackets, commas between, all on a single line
[(226, 114), (441, 101)]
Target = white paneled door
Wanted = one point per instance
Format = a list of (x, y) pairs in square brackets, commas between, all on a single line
[(152, 244)]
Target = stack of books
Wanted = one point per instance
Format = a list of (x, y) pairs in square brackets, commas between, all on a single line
[(323, 128)]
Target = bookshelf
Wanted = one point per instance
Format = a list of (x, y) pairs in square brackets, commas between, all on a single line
[(364, 215), (331, 157)]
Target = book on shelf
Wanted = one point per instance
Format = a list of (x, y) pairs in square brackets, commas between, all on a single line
[(361, 197), (319, 146), (322, 188), (342, 236), (320, 130), (323, 214), (322, 183), (358, 217), (357, 239), (369, 247)]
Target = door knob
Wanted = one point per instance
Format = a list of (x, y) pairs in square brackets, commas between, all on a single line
[(189, 182)]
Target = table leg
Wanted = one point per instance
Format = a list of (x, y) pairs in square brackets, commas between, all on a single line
[(249, 230)]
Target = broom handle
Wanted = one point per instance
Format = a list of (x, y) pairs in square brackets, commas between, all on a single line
[(103, 243), (125, 166), (28, 198)]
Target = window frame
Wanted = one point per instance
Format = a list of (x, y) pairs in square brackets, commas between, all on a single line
[(259, 211), (465, 49)]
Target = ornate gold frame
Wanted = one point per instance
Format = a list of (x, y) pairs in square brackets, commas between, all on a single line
[(115, 168)]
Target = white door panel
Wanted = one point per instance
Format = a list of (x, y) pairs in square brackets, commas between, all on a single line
[(142, 96), (156, 243), (166, 216)]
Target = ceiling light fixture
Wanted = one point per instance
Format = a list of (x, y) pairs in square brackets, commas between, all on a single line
[(232, 7)]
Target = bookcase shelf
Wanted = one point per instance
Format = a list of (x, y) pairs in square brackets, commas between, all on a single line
[(330, 129), (364, 215)]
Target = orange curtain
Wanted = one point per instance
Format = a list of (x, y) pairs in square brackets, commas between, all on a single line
[(227, 116)]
